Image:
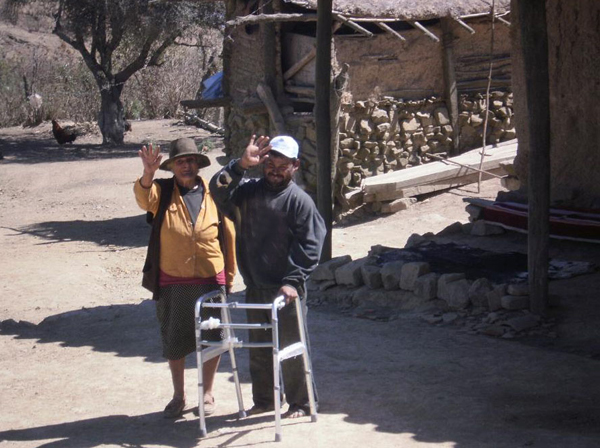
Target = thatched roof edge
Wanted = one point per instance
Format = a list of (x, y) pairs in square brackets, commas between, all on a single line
[(408, 9)]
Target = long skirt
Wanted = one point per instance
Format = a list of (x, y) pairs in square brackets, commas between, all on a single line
[(175, 310)]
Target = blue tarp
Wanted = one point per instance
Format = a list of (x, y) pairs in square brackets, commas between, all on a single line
[(213, 87)]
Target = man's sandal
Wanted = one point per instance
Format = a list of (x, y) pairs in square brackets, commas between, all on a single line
[(175, 408), (296, 412), (257, 409)]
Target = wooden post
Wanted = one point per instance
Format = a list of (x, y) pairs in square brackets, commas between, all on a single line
[(534, 44), (323, 119), (450, 80), (270, 50)]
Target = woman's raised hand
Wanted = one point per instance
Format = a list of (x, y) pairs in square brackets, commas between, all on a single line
[(255, 152), (150, 158)]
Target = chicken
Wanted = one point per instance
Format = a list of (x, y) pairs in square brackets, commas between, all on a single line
[(66, 134)]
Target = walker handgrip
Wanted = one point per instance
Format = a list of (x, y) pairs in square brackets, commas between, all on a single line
[(279, 302)]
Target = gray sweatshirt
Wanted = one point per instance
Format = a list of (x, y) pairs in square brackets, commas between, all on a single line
[(279, 233)]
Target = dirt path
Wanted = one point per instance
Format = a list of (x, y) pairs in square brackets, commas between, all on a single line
[(81, 362)]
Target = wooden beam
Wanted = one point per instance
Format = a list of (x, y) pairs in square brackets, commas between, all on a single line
[(387, 28), (205, 104), (355, 26), (323, 120), (290, 72), (503, 21), (450, 88), (266, 95), (464, 25), (429, 34), (301, 90), (254, 19), (534, 45)]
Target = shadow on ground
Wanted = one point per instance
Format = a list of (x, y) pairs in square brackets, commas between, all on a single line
[(126, 330), (430, 384), (131, 231), (46, 150)]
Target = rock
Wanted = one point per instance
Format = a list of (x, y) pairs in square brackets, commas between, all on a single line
[(432, 318), (380, 116), (441, 116), (425, 118), (365, 127), (515, 302), (452, 229), (411, 125), (509, 134), (410, 272), (476, 120), (483, 228), (326, 284), (426, 286), (326, 271), (448, 318), (397, 205), (390, 275), (371, 275), (454, 289), (474, 212), (350, 274), (521, 323), (478, 292), (383, 127), (511, 183), (494, 297), (518, 289), (415, 240), (495, 331), (347, 143), (378, 249)]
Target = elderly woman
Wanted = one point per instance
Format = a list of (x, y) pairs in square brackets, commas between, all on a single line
[(191, 252)]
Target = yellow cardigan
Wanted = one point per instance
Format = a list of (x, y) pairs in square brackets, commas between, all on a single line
[(186, 251)]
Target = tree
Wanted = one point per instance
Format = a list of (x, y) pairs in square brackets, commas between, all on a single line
[(117, 38)]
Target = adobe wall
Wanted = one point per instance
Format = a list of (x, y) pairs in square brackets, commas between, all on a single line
[(574, 75)]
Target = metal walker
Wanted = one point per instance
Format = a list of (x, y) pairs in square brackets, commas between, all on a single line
[(230, 342)]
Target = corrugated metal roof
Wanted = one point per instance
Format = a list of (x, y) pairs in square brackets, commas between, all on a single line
[(408, 9)]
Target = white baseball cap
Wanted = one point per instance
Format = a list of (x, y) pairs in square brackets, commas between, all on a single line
[(285, 145)]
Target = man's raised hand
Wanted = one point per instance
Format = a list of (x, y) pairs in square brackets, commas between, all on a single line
[(255, 152)]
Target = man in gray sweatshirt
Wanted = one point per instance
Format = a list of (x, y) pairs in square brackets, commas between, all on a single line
[(279, 239)]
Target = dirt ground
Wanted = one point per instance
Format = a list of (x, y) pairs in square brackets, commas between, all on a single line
[(81, 363)]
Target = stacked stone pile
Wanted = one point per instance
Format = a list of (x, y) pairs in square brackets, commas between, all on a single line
[(449, 298)]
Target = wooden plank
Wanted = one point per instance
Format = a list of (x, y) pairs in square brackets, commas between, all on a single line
[(266, 95), (205, 104), (439, 185), (290, 72), (431, 172), (446, 184)]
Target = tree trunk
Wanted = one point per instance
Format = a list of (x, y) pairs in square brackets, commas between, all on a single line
[(112, 117)]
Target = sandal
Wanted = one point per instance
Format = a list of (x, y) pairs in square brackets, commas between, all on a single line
[(175, 408), (260, 409), (209, 409), (296, 412)]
